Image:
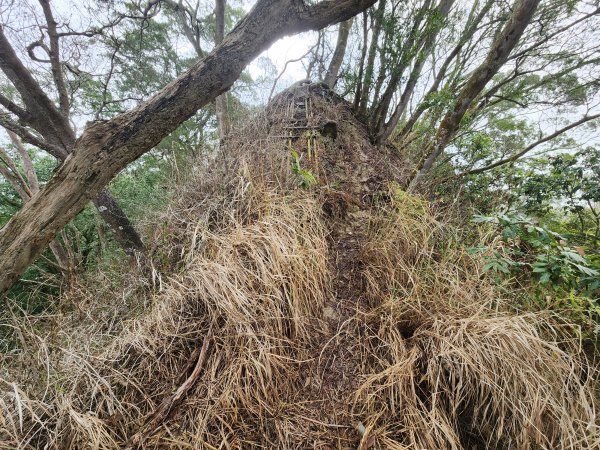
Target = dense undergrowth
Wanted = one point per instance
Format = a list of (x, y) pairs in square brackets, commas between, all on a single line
[(244, 271)]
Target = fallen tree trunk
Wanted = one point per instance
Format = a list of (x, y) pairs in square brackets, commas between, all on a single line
[(106, 147)]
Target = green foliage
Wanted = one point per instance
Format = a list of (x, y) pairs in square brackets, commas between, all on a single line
[(305, 178), (549, 273), (531, 250)]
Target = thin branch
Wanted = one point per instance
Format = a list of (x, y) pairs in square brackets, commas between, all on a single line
[(546, 38), (529, 147), (32, 178), (9, 170), (285, 68), (31, 50), (54, 54)]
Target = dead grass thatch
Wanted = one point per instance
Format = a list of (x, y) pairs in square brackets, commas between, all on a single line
[(259, 296)]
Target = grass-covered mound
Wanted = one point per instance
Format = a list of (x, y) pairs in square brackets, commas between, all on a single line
[(340, 314)]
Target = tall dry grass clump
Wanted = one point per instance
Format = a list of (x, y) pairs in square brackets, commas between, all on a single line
[(457, 370)]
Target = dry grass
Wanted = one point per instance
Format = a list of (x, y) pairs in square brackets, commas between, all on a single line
[(455, 370), (439, 362), (251, 263)]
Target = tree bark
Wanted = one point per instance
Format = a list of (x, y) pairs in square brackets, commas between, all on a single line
[(119, 224), (32, 178), (26, 190), (338, 55), (221, 107), (106, 147), (496, 57), (443, 9), (53, 124)]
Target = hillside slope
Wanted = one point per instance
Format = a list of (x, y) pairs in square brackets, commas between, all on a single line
[(310, 303)]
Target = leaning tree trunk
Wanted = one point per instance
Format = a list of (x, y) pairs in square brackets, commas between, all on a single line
[(496, 57), (221, 107), (105, 148), (363, 100)]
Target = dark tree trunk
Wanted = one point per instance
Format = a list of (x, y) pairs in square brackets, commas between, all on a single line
[(118, 222)]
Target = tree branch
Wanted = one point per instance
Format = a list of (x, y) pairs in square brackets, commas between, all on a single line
[(28, 137), (530, 147), (32, 178), (54, 54), (496, 58), (21, 113), (45, 118), (12, 175)]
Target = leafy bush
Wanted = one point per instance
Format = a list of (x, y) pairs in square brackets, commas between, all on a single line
[(559, 277), (528, 248)]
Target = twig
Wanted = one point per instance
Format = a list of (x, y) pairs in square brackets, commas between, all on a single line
[(161, 413), (285, 68)]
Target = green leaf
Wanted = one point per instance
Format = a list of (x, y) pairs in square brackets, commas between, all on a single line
[(545, 278)]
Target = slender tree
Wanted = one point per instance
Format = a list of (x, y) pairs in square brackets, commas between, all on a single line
[(496, 57), (221, 107), (338, 55)]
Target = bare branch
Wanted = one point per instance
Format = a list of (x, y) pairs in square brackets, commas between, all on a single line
[(548, 37), (31, 50), (54, 53), (45, 118), (32, 178), (288, 62)]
